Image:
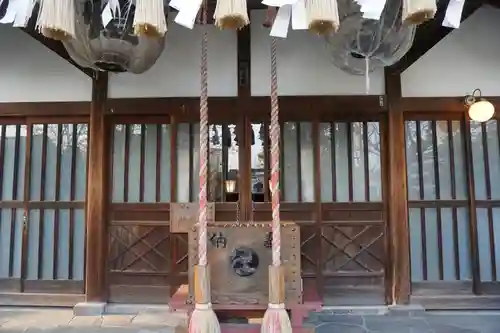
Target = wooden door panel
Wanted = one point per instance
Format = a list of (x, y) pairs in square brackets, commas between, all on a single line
[(140, 258), (353, 239)]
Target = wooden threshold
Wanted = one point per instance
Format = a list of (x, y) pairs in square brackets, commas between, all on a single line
[(37, 299), (139, 294), (459, 302)]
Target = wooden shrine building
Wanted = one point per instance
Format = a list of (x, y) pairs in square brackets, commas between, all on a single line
[(396, 191)]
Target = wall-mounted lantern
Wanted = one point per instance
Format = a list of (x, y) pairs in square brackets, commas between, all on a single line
[(480, 110)]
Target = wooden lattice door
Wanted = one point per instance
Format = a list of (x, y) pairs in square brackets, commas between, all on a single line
[(142, 252), (43, 178)]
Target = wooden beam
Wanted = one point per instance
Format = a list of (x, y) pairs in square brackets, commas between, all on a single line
[(431, 33), (398, 207), (257, 106), (96, 231), (441, 104)]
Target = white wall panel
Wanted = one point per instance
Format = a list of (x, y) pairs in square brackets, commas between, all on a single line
[(30, 72), (466, 59), (304, 66), (177, 71)]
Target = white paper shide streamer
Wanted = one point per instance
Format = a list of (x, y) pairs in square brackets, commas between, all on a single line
[(149, 18), (322, 16), (56, 19), (371, 9), (231, 14), (453, 15), (188, 10), (418, 11), (288, 10)]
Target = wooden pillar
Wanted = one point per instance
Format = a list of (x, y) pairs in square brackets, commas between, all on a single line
[(242, 106), (473, 238), (96, 231), (397, 193)]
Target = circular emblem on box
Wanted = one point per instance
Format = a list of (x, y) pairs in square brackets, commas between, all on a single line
[(244, 261)]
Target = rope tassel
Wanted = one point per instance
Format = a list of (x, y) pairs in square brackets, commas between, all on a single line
[(418, 11), (149, 19), (231, 14), (322, 16), (276, 318), (56, 19)]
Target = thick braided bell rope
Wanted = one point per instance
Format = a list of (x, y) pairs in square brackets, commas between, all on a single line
[(275, 158), (202, 219)]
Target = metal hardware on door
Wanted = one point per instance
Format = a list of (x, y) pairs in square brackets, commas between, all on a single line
[(243, 74)]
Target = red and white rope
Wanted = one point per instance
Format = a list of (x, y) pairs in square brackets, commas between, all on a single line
[(202, 219), (275, 158)]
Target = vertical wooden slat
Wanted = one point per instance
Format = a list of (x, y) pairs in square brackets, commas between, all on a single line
[(111, 160), (159, 137), (126, 161), (476, 280), (420, 163), (173, 159), (349, 162), (57, 198), (435, 159), (27, 186), (2, 159), (142, 162), (41, 228), (96, 224), (299, 161), (244, 168), (317, 200), (15, 177), (3, 132), (334, 160), (456, 246), (72, 191), (366, 161), (17, 157), (191, 161), (398, 211), (173, 188), (225, 158), (487, 180), (266, 149)]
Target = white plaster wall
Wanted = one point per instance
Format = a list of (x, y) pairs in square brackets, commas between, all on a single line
[(177, 71), (468, 58), (304, 66), (30, 72)]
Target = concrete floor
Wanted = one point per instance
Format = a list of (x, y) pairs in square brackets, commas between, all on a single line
[(425, 322), (16, 320)]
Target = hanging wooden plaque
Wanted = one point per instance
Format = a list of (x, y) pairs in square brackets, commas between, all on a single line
[(183, 216), (239, 256)]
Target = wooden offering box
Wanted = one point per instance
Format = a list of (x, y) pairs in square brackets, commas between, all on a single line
[(239, 256)]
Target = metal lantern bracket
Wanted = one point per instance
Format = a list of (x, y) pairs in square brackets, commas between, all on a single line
[(472, 98)]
